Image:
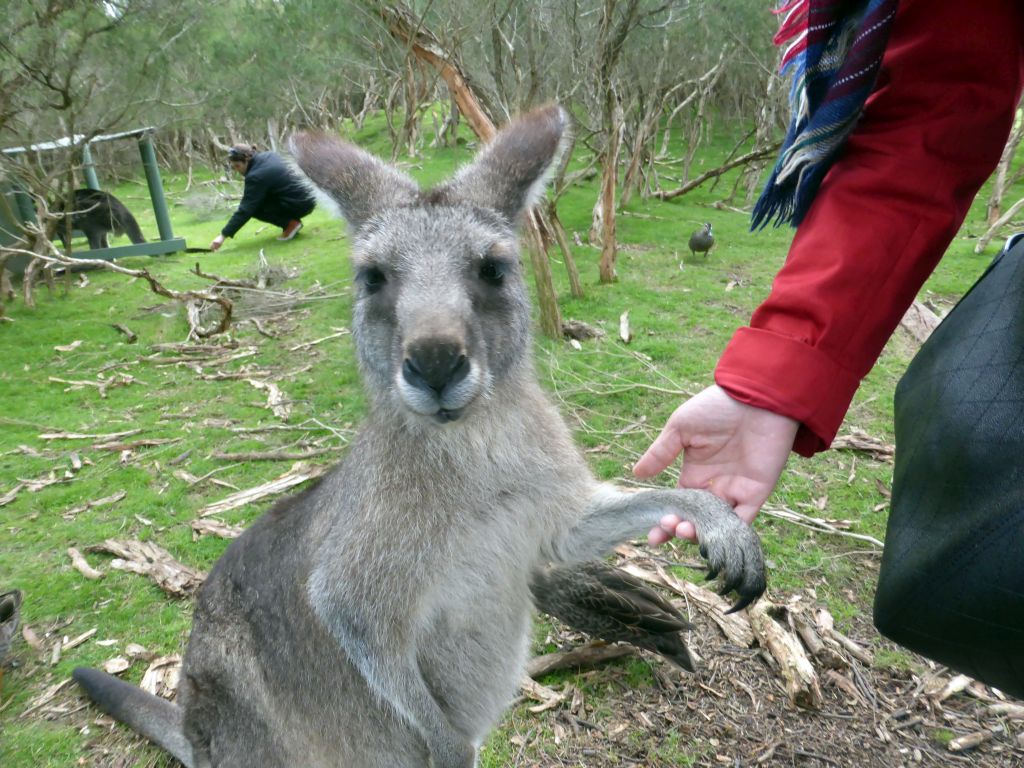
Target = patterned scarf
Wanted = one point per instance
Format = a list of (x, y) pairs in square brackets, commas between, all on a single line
[(834, 49)]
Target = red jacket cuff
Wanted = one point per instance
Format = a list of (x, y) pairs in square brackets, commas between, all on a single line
[(786, 376)]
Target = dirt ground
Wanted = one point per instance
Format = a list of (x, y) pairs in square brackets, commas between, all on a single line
[(734, 711)]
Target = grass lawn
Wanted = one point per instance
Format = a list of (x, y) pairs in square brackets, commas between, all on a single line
[(682, 311)]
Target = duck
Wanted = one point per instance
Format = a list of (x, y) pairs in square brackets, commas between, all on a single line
[(610, 605), (702, 240)]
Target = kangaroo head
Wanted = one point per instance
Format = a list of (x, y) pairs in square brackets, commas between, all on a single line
[(441, 316)]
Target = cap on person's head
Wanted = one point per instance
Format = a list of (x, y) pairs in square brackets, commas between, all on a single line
[(241, 153)]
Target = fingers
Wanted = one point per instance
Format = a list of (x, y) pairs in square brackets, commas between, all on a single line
[(685, 530), (662, 453), (671, 526), (658, 536)]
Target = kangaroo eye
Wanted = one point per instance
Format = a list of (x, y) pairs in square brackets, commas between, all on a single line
[(492, 272), (372, 279)]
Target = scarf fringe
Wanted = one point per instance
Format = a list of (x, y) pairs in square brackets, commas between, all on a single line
[(833, 53)]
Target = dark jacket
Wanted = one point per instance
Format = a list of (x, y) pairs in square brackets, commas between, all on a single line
[(273, 193)]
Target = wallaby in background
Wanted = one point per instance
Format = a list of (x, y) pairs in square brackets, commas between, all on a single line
[(96, 213), (382, 617)]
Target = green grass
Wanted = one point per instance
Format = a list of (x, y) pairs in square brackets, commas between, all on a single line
[(682, 313)]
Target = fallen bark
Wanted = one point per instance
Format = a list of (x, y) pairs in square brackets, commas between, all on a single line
[(920, 321), (148, 559), (801, 681), (548, 697), (298, 474), (207, 527), (585, 656)]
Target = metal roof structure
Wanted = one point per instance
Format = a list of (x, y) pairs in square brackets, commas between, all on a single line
[(22, 209)]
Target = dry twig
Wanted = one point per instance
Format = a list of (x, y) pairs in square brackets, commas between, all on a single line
[(298, 474), (84, 436), (339, 332), (816, 524), (972, 740), (82, 566), (273, 455), (105, 501)]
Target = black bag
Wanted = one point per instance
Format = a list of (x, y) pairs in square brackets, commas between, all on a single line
[(951, 585)]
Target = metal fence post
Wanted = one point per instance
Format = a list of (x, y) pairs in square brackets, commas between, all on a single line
[(156, 188), (89, 168)]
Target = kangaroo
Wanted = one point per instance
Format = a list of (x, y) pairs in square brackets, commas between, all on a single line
[(381, 618), (97, 213)]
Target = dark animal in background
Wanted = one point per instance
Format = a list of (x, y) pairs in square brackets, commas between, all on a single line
[(10, 611), (610, 605), (97, 213), (702, 241)]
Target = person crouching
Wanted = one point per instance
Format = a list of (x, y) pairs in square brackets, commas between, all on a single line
[(272, 194)]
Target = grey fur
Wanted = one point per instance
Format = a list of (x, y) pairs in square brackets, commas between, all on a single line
[(381, 618)]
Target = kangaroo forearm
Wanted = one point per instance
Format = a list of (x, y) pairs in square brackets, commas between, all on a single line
[(730, 546), (614, 516)]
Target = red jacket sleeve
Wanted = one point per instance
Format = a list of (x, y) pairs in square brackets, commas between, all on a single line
[(931, 133)]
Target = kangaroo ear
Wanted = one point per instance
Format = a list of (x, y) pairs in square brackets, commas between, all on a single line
[(510, 174), (350, 180)]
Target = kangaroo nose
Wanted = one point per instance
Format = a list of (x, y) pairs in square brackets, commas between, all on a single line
[(435, 365)]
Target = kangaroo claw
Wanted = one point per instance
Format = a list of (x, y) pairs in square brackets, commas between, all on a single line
[(733, 552)]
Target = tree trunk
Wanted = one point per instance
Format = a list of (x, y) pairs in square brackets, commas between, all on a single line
[(1001, 181), (425, 47), (547, 299), (410, 124), (407, 30), (609, 179), (6, 289), (767, 118), (611, 38), (562, 238)]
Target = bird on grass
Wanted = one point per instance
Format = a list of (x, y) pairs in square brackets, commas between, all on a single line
[(702, 240), (610, 605), (10, 610)]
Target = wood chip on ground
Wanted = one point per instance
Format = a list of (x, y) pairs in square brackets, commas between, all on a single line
[(152, 560)]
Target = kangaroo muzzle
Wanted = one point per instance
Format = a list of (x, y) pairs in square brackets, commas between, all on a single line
[(435, 365), (437, 378)]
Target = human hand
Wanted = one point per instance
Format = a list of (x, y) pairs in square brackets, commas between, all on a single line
[(218, 241), (734, 450)]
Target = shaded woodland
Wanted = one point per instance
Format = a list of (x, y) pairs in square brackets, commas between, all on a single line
[(636, 74)]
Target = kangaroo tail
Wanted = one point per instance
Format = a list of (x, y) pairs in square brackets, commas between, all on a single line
[(130, 226), (156, 719)]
